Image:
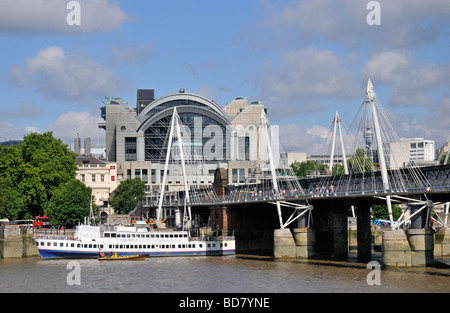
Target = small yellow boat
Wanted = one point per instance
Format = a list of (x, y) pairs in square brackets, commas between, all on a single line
[(115, 257)]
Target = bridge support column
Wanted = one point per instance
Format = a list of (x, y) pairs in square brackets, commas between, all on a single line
[(421, 242), (442, 242), (331, 231), (414, 246), (340, 233), (220, 218), (364, 233), (305, 241), (284, 244), (421, 236), (305, 238), (395, 248)]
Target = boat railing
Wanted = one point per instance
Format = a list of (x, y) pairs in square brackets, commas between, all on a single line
[(220, 238), (56, 234)]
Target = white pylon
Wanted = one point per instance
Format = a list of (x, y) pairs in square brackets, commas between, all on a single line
[(337, 127), (265, 123), (175, 125), (370, 98)]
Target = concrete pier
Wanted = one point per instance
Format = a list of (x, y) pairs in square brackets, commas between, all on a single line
[(305, 242), (442, 242), (17, 242), (395, 248), (284, 244), (421, 242)]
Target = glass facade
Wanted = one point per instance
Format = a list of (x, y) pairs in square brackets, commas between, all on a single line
[(204, 138)]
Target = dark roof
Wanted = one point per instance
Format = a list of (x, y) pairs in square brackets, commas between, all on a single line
[(89, 159)]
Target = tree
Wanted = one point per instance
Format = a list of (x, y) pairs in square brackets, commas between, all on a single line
[(301, 168), (19, 182), (380, 211), (442, 160), (56, 163), (360, 162), (127, 195), (33, 170), (70, 203), (12, 201)]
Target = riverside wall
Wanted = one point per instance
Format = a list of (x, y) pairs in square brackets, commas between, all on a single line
[(17, 242)]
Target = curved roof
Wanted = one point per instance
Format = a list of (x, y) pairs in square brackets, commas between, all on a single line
[(186, 97), (183, 109)]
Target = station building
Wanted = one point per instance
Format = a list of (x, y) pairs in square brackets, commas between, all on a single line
[(136, 137)]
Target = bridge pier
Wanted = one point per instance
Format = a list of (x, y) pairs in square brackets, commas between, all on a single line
[(364, 232), (413, 247), (442, 242), (331, 231), (284, 244), (305, 242)]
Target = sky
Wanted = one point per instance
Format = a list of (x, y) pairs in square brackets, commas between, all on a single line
[(306, 59)]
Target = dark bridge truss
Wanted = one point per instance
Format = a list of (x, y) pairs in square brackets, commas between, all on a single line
[(437, 181)]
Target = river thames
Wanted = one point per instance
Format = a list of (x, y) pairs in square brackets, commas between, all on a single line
[(230, 274)]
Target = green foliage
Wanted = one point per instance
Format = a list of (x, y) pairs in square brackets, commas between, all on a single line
[(31, 172), (442, 160), (127, 195), (380, 211), (301, 168), (56, 163), (12, 201), (70, 203), (360, 162)]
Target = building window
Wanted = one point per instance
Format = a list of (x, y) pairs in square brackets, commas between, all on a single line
[(242, 175), (235, 175), (153, 176), (102, 177), (130, 149), (144, 175), (93, 178)]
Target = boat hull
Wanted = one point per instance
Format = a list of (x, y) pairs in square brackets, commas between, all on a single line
[(61, 254), (90, 242)]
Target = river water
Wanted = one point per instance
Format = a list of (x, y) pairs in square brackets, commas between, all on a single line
[(230, 274)]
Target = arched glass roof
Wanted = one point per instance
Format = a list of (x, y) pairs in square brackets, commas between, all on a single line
[(180, 99)]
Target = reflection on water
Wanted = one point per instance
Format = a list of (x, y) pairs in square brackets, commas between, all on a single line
[(230, 274)]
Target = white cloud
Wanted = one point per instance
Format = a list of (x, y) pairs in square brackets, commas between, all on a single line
[(24, 110), (404, 23), (69, 77), (10, 131), (302, 77), (411, 83), (50, 16), (295, 138), (72, 124)]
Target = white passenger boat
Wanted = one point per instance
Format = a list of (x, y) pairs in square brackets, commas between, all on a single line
[(97, 241)]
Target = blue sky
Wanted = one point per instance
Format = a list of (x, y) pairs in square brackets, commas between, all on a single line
[(306, 59)]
